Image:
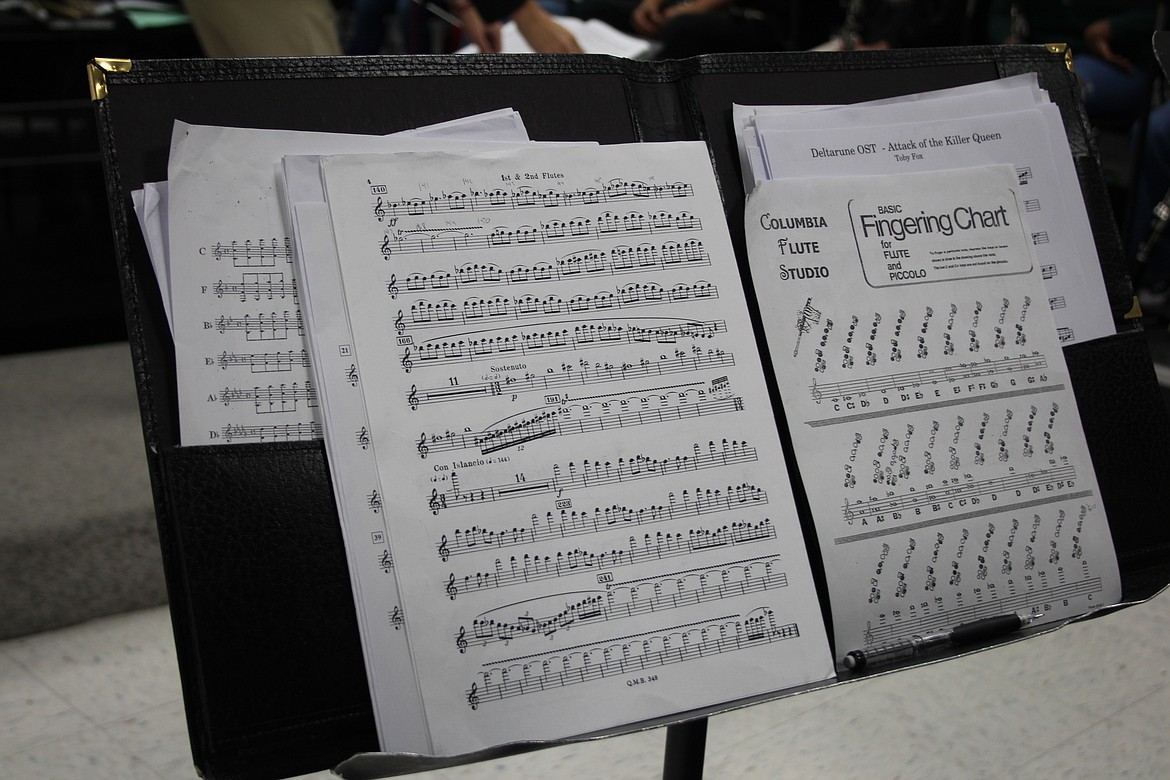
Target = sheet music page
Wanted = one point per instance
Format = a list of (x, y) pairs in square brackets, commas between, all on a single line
[(398, 708), (582, 477), (925, 389), (1031, 140), (242, 364), (996, 96)]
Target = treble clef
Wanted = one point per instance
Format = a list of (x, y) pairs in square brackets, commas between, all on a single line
[(396, 618), (380, 210), (473, 696), (412, 399), (437, 502), (386, 246), (444, 552), (423, 449), (399, 325), (407, 363), (392, 287), (351, 375), (461, 640), (816, 392), (452, 591)]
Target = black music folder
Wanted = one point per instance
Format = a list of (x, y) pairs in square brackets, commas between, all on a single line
[(267, 638)]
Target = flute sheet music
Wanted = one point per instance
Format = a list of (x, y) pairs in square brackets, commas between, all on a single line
[(583, 482), (1031, 140), (930, 409)]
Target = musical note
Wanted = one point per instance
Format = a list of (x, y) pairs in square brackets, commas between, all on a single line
[(424, 314), (586, 336), (266, 362), (545, 616), (565, 523), (582, 373), (587, 474), (622, 656), (607, 225), (1056, 484), (257, 286), (526, 197), (599, 416), (943, 374), (249, 255), (266, 433)]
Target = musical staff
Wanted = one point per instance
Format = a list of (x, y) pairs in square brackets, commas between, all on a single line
[(1050, 483), (582, 373), (269, 433), (265, 362), (468, 238), (271, 327), (567, 523), (460, 348), (591, 418), (519, 570), (273, 399), (945, 374), (257, 286), (617, 261), (586, 474), (659, 594), (424, 314), (993, 604), (500, 199), (261, 254), (640, 652)]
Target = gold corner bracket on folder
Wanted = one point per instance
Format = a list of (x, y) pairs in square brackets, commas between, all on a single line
[(1061, 49), (98, 68)]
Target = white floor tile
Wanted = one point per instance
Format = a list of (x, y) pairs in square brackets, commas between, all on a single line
[(89, 754), (31, 713), (157, 736), (109, 668), (101, 701)]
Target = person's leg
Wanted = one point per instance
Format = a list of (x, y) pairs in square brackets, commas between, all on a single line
[(265, 28)]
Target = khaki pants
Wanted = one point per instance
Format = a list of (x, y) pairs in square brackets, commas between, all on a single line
[(264, 28)]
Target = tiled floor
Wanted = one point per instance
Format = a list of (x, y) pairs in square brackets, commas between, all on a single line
[(100, 701)]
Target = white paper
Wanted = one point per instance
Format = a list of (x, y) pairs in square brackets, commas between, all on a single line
[(985, 97), (242, 364), (398, 708), (592, 35), (1031, 140), (586, 496), (935, 428)]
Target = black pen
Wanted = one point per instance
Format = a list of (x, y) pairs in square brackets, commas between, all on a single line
[(916, 645)]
